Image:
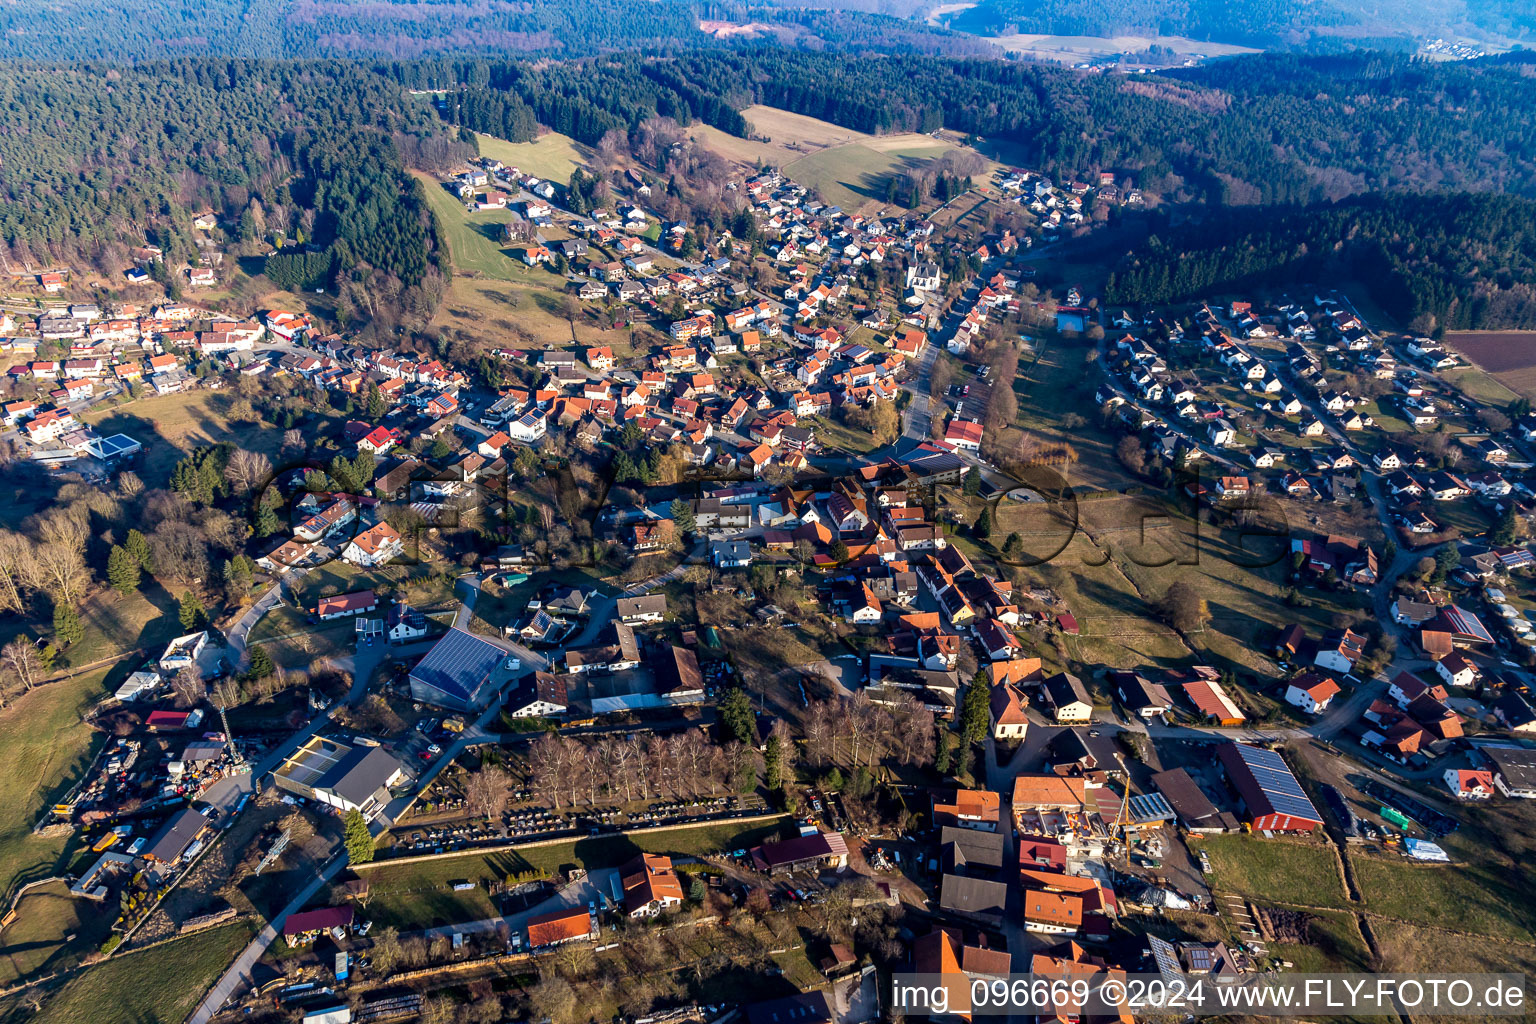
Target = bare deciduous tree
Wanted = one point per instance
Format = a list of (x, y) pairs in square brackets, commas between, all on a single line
[(60, 553), (188, 687), (18, 570), (19, 665), (487, 792), (247, 470)]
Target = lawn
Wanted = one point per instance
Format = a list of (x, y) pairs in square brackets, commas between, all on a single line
[(169, 426), (52, 931), (832, 434), (1457, 896), (1276, 870), (44, 746), (1480, 386), (422, 586), (419, 895), (161, 984), (553, 156), (474, 239), (145, 620)]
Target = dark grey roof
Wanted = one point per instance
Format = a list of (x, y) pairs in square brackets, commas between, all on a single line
[(1075, 746), (458, 666), (974, 896), (1516, 764), (1187, 799), (362, 772), (972, 849), (646, 604), (1064, 688), (176, 835)]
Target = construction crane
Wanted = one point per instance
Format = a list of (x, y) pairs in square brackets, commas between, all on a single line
[(276, 851), (226, 695), (1122, 826)]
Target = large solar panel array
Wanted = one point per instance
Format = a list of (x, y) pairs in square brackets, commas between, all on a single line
[(1147, 808), (458, 664), (1467, 624), (117, 445), (1277, 782)]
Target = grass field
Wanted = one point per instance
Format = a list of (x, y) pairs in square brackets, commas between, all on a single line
[(145, 620), (52, 930), (1334, 945), (1505, 364), (857, 173), (846, 167), (420, 895), (1460, 897), (160, 985), (474, 239), (1276, 870), (169, 426), (525, 309), (44, 746), (780, 137), (1497, 389), (553, 156)]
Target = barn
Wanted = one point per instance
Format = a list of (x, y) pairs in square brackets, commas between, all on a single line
[(1271, 797)]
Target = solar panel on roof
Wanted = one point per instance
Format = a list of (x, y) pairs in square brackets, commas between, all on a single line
[(1166, 958), (1466, 623), (458, 664), (1275, 779), (1149, 807), (1200, 958)]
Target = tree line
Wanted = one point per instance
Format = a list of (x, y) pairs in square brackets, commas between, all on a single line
[(1455, 261), (306, 158)]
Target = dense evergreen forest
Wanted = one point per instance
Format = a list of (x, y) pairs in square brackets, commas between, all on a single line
[(96, 159), (1257, 130), (311, 155), (1451, 260), (130, 30), (1265, 24)]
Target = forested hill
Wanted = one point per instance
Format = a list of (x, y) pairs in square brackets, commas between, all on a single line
[(132, 30), (1264, 24), (1458, 261), (1256, 130), (95, 159)]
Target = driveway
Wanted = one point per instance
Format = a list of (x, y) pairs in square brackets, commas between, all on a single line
[(590, 889), (239, 974)]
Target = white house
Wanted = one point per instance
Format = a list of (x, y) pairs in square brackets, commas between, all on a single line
[(730, 554), (1456, 670), (405, 624), (1312, 692), (529, 428), (373, 547), (1469, 784)]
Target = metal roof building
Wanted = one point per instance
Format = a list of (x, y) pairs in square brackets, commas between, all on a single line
[(1150, 809), (175, 836), (461, 671), (345, 776), (1270, 794)]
